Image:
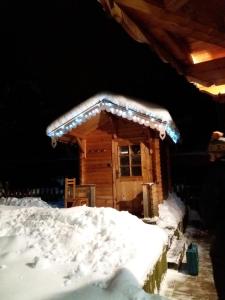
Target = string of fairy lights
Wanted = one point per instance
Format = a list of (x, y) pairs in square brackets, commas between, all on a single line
[(147, 119)]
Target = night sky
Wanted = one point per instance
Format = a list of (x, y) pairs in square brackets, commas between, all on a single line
[(53, 60)]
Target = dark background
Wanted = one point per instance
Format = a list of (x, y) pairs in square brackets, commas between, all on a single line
[(53, 59)]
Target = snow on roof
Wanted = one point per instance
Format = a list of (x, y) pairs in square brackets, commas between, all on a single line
[(76, 253), (147, 114)]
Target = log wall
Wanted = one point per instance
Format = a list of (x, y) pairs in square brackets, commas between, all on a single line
[(97, 166)]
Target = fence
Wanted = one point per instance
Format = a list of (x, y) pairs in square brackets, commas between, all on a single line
[(47, 194)]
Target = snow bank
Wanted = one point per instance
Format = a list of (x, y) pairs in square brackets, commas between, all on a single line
[(77, 253), (26, 201), (171, 212)]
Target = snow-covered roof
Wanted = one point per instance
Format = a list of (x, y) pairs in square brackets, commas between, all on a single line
[(147, 114)]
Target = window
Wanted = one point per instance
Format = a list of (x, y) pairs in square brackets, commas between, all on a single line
[(130, 160)]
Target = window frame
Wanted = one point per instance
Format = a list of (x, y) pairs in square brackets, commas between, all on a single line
[(131, 164)]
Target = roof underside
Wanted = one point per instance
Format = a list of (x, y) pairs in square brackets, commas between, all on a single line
[(189, 34), (145, 114)]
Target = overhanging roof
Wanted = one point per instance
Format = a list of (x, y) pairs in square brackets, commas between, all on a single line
[(189, 34), (146, 114)]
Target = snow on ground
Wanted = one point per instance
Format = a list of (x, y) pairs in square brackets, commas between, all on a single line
[(171, 212), (26, 201), (77, 253), (169, 280)]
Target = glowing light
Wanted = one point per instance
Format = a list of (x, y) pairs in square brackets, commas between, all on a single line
[(213, 89), (207, 54), (201, 56), (120, 106)]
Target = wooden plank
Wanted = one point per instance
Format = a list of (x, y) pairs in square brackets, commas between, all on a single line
[(114, 168), (92, 167), (102, 177), (101, 160), (145, 164), (142, 34), (82, 145), (98, 164), (175, 5), (82, 167), (176, 253), (177, 47), (146, 201), (212, 72), (179, 24), (157, 168), (86, 127)]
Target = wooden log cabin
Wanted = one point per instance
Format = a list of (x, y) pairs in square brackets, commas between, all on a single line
[(123, 150)]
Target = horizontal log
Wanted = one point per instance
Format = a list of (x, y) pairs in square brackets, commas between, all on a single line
[(98, 181), (210, 72)]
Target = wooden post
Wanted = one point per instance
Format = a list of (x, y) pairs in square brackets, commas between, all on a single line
[(157, 169), (82, 159), (87, 193), (154, 200), (146, 199), (114, 167), (150, 202), (69, 192), (92, 195)]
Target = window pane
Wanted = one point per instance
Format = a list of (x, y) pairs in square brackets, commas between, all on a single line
[(136, 160), (124, 160), (124, 150), (125, 171), (135, 149), (136, 171)]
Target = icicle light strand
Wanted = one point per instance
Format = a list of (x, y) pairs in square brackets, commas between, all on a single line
[(129, 113)]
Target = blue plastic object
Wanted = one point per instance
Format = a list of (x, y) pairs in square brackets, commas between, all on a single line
[(192, 259)]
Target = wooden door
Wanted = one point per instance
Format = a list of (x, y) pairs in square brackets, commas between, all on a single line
[(128, 176)]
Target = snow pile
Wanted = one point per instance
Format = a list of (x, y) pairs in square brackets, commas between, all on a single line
[(26, 201), (171, 212), (77, 253)]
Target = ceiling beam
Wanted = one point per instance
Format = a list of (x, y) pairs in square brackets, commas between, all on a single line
[(174, 5), (178, 24), (210, 72), (175, 47), (141, 35)]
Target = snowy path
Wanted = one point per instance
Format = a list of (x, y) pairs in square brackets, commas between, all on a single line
[(181, 286)]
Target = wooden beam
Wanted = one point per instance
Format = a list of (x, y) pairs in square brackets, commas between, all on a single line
[(174, 5), (209, 72), (164, 54), (67, 139), (193, 79), (114, 125), (142, 35), (82, 145), (179, 24), (175, 47)]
